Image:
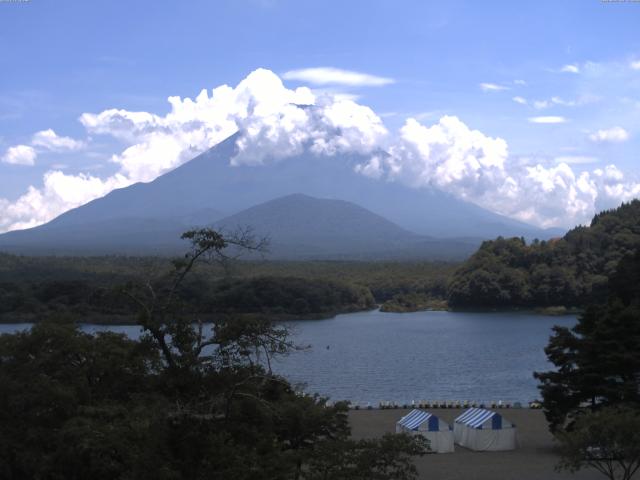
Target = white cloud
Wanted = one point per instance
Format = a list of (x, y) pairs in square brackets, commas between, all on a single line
[(520, 100), (478, 168), (576, 160), (613, 134), (338, 95), (572, 68), (277, 122), (492, 87), (20, 155), (447, 154), (541, 104), (635, 65), (579, 101), (336, 76), (59, 193), (45, 139), (49, 140), (520, 82), (547, 119)]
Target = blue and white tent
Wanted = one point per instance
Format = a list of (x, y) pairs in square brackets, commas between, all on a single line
[(420, 422), (484, 430)]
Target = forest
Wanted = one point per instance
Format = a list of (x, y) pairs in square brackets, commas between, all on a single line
[(568, 272), (571, 271), (90, 289)]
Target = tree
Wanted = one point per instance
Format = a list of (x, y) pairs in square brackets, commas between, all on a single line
[(567, 271), (186, 401), (71, 404), (597, 361), (607, 440), (389, 457)]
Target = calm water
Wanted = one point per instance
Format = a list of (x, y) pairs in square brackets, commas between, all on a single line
[(375, 356)]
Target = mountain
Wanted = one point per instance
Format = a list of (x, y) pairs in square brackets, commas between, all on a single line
[(147, 217), (300, 226)]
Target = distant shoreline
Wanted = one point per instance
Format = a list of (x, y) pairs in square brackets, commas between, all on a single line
[(129, 320)]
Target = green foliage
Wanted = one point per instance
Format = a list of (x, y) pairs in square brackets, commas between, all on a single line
[(86, 288), (412, 302), (184, 402), (287, 295), (571, 271), (597, 361), (377, 459), (607, 440), (66, 398)]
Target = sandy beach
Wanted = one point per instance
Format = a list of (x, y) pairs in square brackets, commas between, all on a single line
[(535, 458)]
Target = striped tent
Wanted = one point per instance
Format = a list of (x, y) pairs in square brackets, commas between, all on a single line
[(484, 430), (420, 422)]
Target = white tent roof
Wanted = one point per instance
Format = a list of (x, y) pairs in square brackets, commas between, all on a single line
[(479, 418), (415, 418)]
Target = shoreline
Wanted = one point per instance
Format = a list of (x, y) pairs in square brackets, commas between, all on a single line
[(129, 320)]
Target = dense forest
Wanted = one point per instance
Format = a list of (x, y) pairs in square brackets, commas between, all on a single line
[(90, 289), (571, 271), (504, 273)]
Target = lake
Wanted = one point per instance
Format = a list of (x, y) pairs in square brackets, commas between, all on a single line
[(376, 356)]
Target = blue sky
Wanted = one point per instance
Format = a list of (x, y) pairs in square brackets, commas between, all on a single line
[(499, 67)]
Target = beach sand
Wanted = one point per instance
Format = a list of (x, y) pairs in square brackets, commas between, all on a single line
[(534, 459)]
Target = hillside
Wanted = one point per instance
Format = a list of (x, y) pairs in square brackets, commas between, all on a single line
[(569, 271), (300, 226)]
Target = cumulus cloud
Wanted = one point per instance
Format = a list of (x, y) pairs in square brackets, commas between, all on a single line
[(492, 87), (635, 65), (572, 68), (59, 193), (20, 155), (613, 134), (336, 76), (48, 139), (276, 122), (520, 100), (473, 166), (547, 119)]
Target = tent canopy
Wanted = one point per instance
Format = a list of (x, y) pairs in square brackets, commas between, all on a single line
[(419, 418), (438, 433), (480, 418)]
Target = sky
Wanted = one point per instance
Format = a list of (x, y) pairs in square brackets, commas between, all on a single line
[(529, 109)]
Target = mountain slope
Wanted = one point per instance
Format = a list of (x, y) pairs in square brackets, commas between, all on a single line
[(203, 190), (300, 226)]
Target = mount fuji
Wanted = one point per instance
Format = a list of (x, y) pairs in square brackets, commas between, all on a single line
[(311, 206)]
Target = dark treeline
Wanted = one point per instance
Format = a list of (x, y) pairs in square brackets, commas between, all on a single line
[(571, 271), (89, 289)]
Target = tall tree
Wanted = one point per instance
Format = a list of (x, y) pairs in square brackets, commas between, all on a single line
[(597, 361), (607, 440)]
